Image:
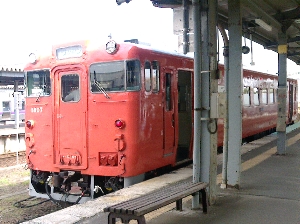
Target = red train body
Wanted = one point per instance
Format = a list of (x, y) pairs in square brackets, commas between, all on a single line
[(259, 102), (100, 118)]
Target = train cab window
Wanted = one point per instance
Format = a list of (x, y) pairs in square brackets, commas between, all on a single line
[(38, 83), (168, 84), (70, 91), (115, 76), (155, 76), (246, 96), (148, 78), (256, 96), (264, 96), (271, 96), (108, 76)]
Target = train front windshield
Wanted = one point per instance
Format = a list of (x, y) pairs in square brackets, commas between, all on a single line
[(115, 76), (38, 83)]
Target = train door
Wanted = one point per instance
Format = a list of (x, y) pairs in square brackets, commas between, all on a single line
[(71, 115), (169, 119), (291, 102), (184, 115)]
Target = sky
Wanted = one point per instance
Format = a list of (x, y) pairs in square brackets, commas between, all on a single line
[(35, 25), (31, 25)]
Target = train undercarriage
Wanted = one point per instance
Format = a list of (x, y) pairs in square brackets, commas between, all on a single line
[(73, 187)]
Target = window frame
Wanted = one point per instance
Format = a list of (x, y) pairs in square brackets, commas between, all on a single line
[(271, 91), (264, 96), (156, 77), (44, 87), (73, 92), (168, 89), (148, 76), (256, 96), (249, 96), (135, 80)]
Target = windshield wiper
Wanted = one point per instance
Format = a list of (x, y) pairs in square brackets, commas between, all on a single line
[(38, 98), (102, 90)]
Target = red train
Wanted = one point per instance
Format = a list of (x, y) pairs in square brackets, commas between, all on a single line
[(260, 103), (99, 118)]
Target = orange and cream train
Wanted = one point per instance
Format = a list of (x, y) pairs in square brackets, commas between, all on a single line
[(101, 118)]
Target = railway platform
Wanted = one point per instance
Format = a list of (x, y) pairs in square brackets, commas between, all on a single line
[(12, 139), (269, 192), (9, 129)]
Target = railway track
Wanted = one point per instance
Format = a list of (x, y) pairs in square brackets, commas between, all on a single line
[(16, 206), (11, 159), (12, 154)]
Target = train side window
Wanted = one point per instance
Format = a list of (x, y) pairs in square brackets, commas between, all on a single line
[(155, 76), (148, 78), (70, 91), (38, 83), (264, 96), (246, 96), (133, 72), (256, 96), (168, 84), (271, 96)]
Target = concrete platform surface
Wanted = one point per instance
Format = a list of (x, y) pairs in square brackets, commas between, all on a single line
[(269, 193)]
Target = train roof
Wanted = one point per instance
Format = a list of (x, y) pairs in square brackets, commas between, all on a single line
[(266, 74), (68, 53), (158, 50), (94, 46)]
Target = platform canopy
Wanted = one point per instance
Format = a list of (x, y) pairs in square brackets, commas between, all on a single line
[(9, 76), (263, 19)]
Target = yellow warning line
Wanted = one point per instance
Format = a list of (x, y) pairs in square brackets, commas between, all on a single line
[(261, 157), (267, 154)]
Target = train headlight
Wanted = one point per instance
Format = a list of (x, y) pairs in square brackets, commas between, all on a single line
[(119, 123), (111, 47), (30, 124), (32, 58)]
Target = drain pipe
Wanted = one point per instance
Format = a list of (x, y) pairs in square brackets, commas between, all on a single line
[(225, 140)]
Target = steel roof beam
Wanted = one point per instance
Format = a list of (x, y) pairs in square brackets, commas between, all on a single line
[(264, 16), (290, 40)]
